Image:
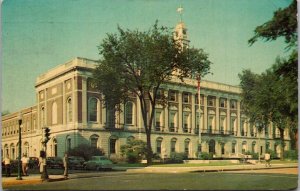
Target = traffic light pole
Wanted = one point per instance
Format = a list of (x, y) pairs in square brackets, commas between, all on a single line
[(46, 138)]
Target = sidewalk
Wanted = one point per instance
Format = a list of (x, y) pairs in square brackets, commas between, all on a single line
[(36, 178)]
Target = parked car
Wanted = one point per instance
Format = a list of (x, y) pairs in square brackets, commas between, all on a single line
[(75, 162), (98, 163), (33, 162), (54, 162)]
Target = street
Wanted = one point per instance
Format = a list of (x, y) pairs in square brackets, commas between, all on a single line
[(273, 179)]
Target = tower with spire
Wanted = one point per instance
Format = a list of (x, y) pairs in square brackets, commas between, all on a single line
[(180, 33)]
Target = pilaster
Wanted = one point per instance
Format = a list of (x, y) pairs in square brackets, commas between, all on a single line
[(217, 114), (205, 112), (238, 117), (193, 113), (180, 112), (84, 101)]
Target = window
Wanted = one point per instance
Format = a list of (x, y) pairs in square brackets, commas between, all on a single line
[(253, 147), (158, 122), (187, 146), (186, 118), (93, 110), (173, 145), (211, 101), (158, 145), (267, 146), (54, 113), (110, 117), (173, 121), (223, 102), (172, 95), (129, 113), (185, 97), (233, 104), (68, 144), (94, 141), (69, 110), (112, 145), (244, 147), (159, 94), (233, 147), (222, 149)]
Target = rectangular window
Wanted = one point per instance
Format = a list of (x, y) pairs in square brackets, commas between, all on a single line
[(172, 95), (233, 148), (233, 104), (185, 97), (173, 145), (211, 101), (112, 146), (158, 146), (223, 102)]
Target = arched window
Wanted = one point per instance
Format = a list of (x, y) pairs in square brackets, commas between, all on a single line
[(212, 144), (6, 150), (233, 147), (12, 151), (244, 147), (94, 141), (253, 147), (187, 146), (129, 113), (93, 109), (158, 145), (55, 147), (68, 143), (173, 145), (112, 144), (69, 110), (54, 113)]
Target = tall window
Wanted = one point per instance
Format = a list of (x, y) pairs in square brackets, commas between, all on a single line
[(186, 122), (223, 149), (112, 145), (158, 145), (172, 95), (172, 121), (69, 110), (94, 141), (158, 122), (129, 113), (253, 147), (173, 145), (93, 109), (233, 104), (187, 146), (233, 146), (223, 102), (54, 113), (211, 101), (185, 97), (68, 144)]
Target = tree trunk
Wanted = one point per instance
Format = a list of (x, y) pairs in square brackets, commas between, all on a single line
[(149, 149), (281, 142)]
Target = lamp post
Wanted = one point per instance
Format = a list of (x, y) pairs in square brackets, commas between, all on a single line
[(20, 150)]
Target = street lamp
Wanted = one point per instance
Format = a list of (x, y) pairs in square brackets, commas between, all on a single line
[(20, 150)]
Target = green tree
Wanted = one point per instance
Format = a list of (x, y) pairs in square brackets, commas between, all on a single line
[(134, 150), (135, 63), (283, 102)]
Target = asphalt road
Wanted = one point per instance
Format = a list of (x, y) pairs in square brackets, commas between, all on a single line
[(239, 180)]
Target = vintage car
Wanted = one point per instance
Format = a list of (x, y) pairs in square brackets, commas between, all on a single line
[(54, 162), (75, 162), (98, 163)]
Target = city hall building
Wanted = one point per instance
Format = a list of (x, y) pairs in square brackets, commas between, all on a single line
[(68, 103)]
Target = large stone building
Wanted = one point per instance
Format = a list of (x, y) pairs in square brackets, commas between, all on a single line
[(69, 105)]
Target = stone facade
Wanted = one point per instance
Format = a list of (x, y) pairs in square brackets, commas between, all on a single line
[(69, 105)]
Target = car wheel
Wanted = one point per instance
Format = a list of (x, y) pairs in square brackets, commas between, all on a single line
[(98, 168)]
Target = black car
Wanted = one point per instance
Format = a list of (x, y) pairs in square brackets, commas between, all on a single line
[(33, 162), (54, 162)]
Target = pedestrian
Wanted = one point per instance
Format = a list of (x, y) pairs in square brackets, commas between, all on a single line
[(268, 159), (7, 165), (65, 160), (25, 161), (41, 163)]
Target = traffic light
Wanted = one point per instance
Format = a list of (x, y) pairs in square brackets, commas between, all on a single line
[(46, 134)]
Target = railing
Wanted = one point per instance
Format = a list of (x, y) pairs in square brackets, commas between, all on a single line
[(216, 132)]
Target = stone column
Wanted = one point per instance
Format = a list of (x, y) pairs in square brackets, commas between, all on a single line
[(228, 116), (193, 114), (180, 125), (239, 117), (205, 113), (84, 102), (217, 115), (166, 113)]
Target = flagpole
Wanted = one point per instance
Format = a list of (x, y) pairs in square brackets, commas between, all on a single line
[(199, 109)]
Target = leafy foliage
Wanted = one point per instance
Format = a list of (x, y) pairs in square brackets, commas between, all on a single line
[(292, 154), (136, 64), (85, 151), (176, 157), (283, 24), (134, 150)]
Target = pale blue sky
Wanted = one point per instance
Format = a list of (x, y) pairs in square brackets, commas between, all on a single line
[(38, 35)]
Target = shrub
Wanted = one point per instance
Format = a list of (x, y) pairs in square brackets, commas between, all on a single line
[(178, 157), (86, 151), (206, 156), (134, 150), (291, 154), (273, 154)]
